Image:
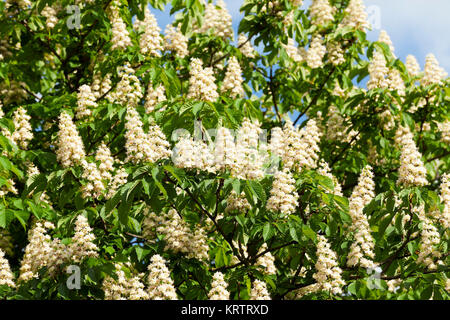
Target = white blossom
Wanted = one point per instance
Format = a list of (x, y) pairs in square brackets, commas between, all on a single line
[(176, 41), (283, 197), (218, 288), (85, 101), (361, 250), (6, 276), (412, 171), (328, 273), (150, 41), (160, 284), (70, 148), (315, 53), (120, 35), (201, 82), (259, 291), (233, 79)]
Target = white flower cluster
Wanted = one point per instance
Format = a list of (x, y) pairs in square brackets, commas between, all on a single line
[(119, 179), (312, 288), (356, 16), (444, 128), (297, 149), (412, 66), (4, 49), (218, 288), (14, 92), (325, 170), (120, 36), (237, 203), (70, 148), (336, 129), (6, 276), (23, 4), (150, 41), (246, 47), (412, 171), (9, 187), (396, 82), (335, 53), (217, 19), (176, 41), (429, 253), (293, 52), (259, 291), (142, 147), (249, 153), (233, 79), (38, 252), (100, 86), (383, 37), (361, 250), (378, 71), (321, 12), (160, 284), (288, 18), (224, 153), (224, 150), (445, 199), (190, 153), (106, 161), (177, 234), (316, 52), (50, 14), (82, 245), (124, 288), (94, 187), (328, 273), (283, 197), (154, 97), (201, 82), (433, 73), (85, 101), (22, 128), (267, 261), (129, 90), (393, 285)]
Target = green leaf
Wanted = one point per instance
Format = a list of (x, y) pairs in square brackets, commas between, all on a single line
[(309, 233), (267, 231)]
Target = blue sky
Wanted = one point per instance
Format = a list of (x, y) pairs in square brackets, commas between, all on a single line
[(416, 27)]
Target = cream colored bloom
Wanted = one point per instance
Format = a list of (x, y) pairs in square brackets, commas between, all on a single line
[(218, 288), (201, 82), (233, 79), (150, 41), (412, 171), (315, 53), (6, 276), (160, 284), (120, 36), (283, 196), (176, 41), (328, 273), (361, 250), (70, 148), (259, 291)]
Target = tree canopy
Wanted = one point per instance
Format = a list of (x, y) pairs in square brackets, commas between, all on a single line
[(294, 159)]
